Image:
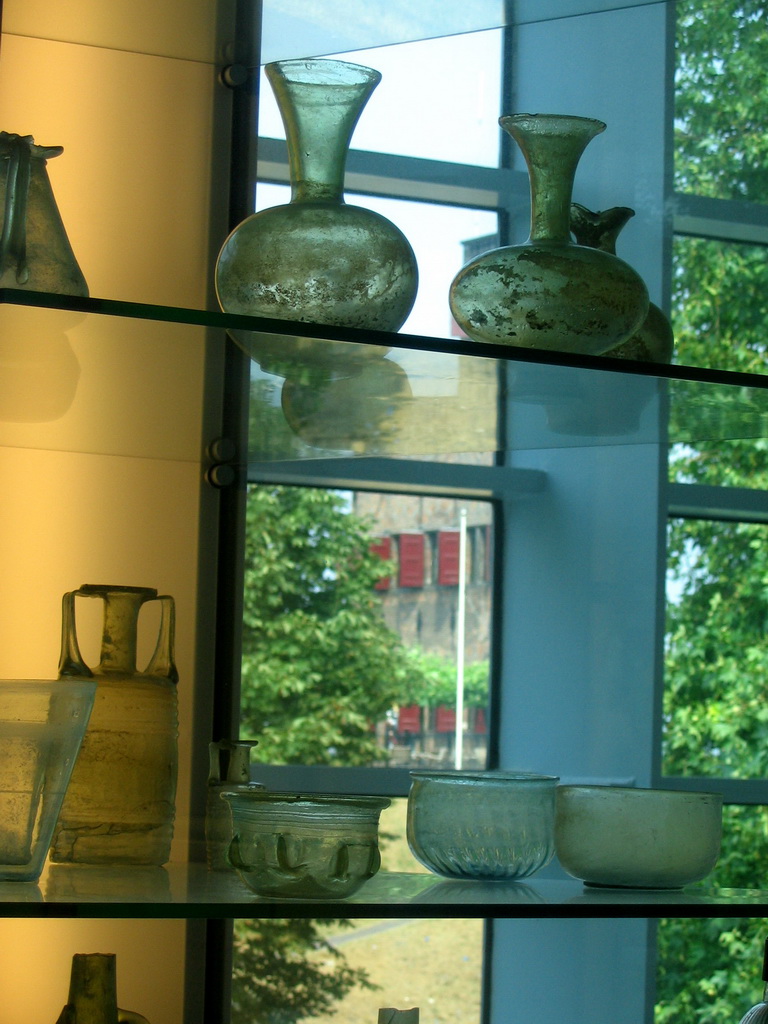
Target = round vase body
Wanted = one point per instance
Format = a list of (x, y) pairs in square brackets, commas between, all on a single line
[(317, 259), (120, 803), (549, 293), (318, 262), (653, 341)]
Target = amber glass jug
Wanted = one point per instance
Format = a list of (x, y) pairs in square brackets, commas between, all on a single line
[(119, 807)]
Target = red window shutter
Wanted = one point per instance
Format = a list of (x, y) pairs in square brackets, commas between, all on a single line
[(409, 719), (445, 719), (448, 558), (382, 547), (411, 552)]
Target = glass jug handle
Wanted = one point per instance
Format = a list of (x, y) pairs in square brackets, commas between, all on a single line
[(71, 660), (162, 662)]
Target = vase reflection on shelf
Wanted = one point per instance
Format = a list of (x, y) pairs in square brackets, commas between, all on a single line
[(318, 259), (35, 253), (39, 376), (363, 409), (653, 341), (550, 293)]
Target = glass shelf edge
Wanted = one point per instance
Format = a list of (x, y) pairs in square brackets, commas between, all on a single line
[(326, 332), (194, 892)]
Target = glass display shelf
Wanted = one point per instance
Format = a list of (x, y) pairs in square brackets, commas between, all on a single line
[(191, 891), (111, 377)]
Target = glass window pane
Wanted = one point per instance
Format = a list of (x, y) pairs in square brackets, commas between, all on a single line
[(393, 843), (354, 653), (420, 110), (720, 320), (719, 313), (440, 236), (716, 659), (708, 969), (721, 99), (342, 970)]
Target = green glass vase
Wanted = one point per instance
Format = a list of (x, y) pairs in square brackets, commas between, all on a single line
[(317, 259), (550, 293), (35, 253), (653, 341), (93, 993)]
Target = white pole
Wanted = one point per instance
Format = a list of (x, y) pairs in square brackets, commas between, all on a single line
[(460, 630)]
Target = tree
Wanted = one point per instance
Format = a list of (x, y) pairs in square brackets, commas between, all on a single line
[(435, 681), (715, 716), (320, 666), (276, 979)]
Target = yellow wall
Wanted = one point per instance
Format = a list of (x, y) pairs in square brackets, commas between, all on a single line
[(37, 960), (102, 420)]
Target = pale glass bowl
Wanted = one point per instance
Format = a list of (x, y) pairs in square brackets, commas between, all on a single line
[(635, 838), (304, 846), (475, 824), (42, 724)]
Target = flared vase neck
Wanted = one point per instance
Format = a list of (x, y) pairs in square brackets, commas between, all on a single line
[(320, 102), (552, 145)]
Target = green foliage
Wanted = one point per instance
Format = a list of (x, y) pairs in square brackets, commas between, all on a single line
[(277, 980), (715, 716), (434, 681), (710, 970), (720, 143), (320, 666)]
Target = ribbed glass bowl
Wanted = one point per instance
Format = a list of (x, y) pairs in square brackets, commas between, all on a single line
[(42, 724), (475, 824)]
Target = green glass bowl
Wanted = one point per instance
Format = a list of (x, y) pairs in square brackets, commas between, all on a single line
[(304, 846)]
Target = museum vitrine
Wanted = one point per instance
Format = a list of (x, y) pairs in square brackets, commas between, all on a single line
[(133, 424)]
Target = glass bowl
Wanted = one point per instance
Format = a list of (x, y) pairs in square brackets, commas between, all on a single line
[(313, 846), (489, 825), (627, 837), (42, 724)]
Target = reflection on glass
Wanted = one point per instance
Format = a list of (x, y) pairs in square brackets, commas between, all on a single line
[(342, 970), (716, 657), (406, 111), (355, 651)]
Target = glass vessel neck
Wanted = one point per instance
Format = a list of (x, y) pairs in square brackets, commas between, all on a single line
[(320, 102), (599, 230), (552, 145)]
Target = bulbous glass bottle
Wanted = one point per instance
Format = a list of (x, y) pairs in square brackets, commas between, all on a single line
[(318, 259), (549, 293), (653, 341)]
